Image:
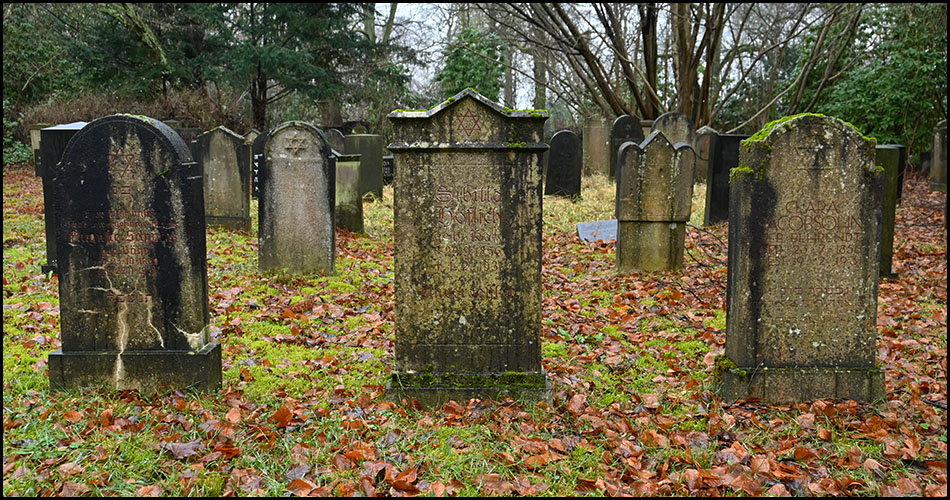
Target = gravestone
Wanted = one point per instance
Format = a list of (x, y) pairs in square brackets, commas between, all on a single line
[(938, 166), (257, 161), (705, 149), (565, 160), (595, 148), (389, 169), (901, 169), (888, 157), (804, 229), (52, 144), (370, 149), (677, 128), (625, 128), (297, 202), (133, 286), (725, 158), (35, 140), (225, 161), (467, 228), (654, 199), (349, 200), (335, 138)]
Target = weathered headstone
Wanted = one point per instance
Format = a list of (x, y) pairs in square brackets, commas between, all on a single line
[(257, 161), (349, 200), (804, 228), (335, 138), (705, 149), (52, 145), (901, 169), (35, 140), (654, 200), (297, 202), (725, 158), (370, 149), (888, 157), (938, 168), (468, 252), (677, 128), (133, 284), (389, 169), (565, 160), (625, 128), (225, 161), (595, 148)]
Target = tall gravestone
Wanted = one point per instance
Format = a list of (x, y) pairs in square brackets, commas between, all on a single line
[(349, 199), (468, 252), (52, 145), (705, 149), (595, 136), (225, 160), (625, 128), (133, 283), (725, 157), (565, 160), (654, 200), (370, 149), (804, 229), (938, 169), (888, 157), (297, 202)]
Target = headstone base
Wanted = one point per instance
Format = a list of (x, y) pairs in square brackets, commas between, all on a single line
[(148, 371), (436, 389), (650, 246), (238, 223), (787, 385)]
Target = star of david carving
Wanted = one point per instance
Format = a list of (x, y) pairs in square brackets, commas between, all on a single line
[(118, 166), (296, 144), (468, 123)]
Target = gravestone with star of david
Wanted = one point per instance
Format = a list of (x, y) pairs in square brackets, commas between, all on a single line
[(467, 196), (297, 202)]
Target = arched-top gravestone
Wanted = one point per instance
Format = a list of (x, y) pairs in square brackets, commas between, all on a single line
[(297, 202), (335, 139), (625, 128), (804, 229), (467, 197), (225, 159), (705, 150), (565, 160), (132, 267), (677, 128)]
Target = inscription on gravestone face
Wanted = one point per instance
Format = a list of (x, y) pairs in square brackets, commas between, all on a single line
[(132, 270), (468, 249), (803, 264)]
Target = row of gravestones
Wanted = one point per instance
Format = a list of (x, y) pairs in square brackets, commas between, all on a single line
[(802, 288)]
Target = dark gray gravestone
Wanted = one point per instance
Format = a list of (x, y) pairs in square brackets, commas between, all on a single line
[(389, 169), (605, 230), (297, 202), (53, 142), (468, 252), (370, 149), (349, 200), (938, 170), (804, 229), (225, 161), (335, 139), (901, 169), (625, 128), (705, 149), (565, 160), (35, 140), (133, 284), (725, 158), (888, 157), (654, 200), (257, 160)]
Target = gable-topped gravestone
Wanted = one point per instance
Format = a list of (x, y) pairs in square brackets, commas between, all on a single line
[(725, 157), (133, 284), (225, 160), (370, 149), (297, 202), (467, 227), (565, 160), (625, 128), (804, 228), (654, 199), (52, 145)]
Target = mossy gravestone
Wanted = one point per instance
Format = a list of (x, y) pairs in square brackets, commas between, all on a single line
[(133, 285), (225, 160), (467, 197), (654, 200), (297, 202), (804, 229)]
